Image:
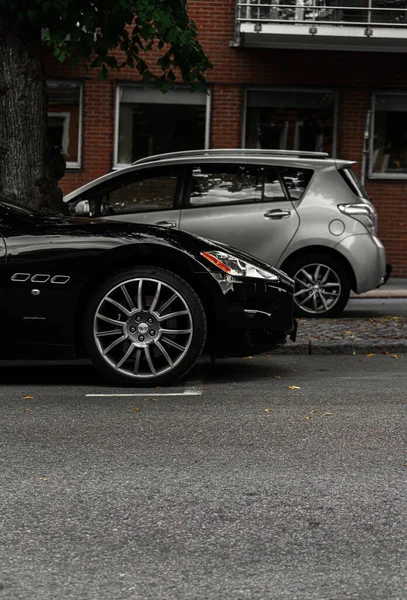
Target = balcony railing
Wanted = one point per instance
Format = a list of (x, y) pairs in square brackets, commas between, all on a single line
[(383, 20)]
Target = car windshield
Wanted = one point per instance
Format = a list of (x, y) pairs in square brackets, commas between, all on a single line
[(16, 208)]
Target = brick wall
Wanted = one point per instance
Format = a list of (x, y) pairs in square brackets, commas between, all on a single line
[(353, 75)]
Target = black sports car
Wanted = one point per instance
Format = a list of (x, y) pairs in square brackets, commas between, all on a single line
[(141, 301)]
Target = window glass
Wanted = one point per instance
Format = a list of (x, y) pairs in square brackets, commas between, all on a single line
[(224, 184), (151, 122), (390, 134), (150, 193), (296, 180), (64, 119), (273, 190), (290, 120)]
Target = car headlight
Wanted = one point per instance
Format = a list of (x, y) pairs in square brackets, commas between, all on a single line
[(236, 267), (362, 213)]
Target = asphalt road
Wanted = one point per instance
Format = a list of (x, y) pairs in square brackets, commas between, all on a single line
[(238, 488)]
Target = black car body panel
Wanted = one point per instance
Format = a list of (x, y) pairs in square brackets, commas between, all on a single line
[(49, 267)]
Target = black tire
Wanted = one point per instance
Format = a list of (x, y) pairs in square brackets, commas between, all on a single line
[(122, 319), (319, 298)]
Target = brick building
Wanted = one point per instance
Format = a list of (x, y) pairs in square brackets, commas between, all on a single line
[(294, 74)]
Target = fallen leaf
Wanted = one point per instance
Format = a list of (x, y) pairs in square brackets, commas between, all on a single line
[(248, 357), (314, 411), (152, 399), (267, 355), (353, 353), (276, 377), (308, 417), (43, 479), (28, 397), (27, 409), (394, 356), (371, 354), (158, 387), (295, 370), (294, 387), (266, 410), (348, 332), (136, 409), (327, 414), (384, 352)]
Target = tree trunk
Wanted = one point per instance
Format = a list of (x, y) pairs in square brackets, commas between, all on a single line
[(25, 170)]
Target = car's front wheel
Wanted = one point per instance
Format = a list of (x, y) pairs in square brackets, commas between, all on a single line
[(322, 286), (145, 326)]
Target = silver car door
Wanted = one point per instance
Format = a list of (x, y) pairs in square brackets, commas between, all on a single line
[(242, 205)]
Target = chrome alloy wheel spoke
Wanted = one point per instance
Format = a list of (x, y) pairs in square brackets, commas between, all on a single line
[(156, 297), (109, 320), (172, 343), (125, 356), (164, 353), (114, 344), (176, 331), (140, 341), (171, 315), (128, 297), (149, 360), (119, 306)]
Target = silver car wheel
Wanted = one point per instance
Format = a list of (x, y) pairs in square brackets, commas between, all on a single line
[(318, 288), (143, 328)]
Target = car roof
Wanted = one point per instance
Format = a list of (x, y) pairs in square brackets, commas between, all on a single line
[(299, 159)]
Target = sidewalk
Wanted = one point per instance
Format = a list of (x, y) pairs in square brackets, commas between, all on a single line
[(394, 288), (355, 335)]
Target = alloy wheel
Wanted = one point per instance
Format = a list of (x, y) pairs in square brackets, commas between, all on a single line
[(318, 288), (143, 328)]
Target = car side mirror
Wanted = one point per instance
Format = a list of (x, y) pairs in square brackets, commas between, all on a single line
[(82, 209)]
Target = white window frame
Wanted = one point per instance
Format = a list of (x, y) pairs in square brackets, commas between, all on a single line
[(378, 174), (300, 90), (65, 138), (119, 87)]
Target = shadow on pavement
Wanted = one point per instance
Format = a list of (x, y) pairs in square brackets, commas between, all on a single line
[(50, 374), (76, 374)]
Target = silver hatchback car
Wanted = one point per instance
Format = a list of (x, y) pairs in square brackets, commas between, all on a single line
[(302, 212)]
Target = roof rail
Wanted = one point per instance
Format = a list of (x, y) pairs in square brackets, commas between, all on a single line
[(233, 151)]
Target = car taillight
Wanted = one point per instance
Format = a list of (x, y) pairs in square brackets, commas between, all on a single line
[(363, 213)]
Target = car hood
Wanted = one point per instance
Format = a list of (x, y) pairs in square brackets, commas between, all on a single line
[(136, 232)]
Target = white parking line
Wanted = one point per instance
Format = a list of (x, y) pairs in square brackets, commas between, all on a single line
[(192, 388), (187, 393)]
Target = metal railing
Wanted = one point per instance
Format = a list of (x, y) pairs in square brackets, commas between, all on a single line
[(368, 13)]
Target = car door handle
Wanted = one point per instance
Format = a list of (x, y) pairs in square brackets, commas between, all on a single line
[(277, 213), (166, 223)]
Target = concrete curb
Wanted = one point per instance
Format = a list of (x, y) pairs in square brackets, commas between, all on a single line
[(367, 346)]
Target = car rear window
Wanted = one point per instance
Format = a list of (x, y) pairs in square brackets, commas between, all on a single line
[(296, 180), (351, 179)]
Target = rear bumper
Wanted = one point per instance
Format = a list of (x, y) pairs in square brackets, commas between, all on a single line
[(386, 276), (367, 257)]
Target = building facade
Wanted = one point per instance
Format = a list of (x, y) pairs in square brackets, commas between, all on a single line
[(324, 75)]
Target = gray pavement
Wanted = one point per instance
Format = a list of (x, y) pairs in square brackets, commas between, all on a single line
[(284, 479), (356, 335)]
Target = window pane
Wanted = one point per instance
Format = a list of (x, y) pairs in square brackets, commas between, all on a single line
[(153, 193), (296, 180), (212, 185), (297, 120), (148, 127), (390, 134), (273, 189), (64, 118)]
